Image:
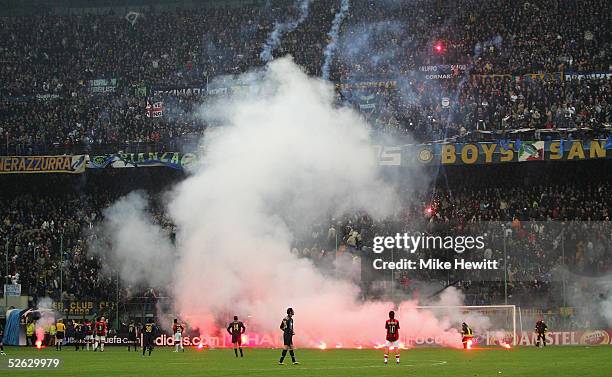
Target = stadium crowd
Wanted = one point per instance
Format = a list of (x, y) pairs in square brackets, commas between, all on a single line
[(490, 37), (46, 233), (84, 83), (554, 227), (50, 101), (45, 228), (501, 104)]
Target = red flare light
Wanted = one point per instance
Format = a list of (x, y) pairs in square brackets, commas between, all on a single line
[(322, 346), (39, 344), (469, 344)]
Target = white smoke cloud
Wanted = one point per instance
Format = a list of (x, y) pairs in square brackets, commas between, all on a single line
[(284, 157), (134, 244), (46, 319), (596, 305), (592, 298)]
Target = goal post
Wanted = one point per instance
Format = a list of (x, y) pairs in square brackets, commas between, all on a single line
[(491, 321)]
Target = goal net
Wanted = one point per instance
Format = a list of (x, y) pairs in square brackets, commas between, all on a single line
[(492, 324)]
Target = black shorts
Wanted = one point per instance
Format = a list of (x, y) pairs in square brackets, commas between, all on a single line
[(132, 337), (79, 336), (59, 335), (288, 339), (148, 341), (237, 338)]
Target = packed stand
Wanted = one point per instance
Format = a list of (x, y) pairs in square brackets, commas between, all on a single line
[(393, 38), (43, 216), (480, 202), (44, 219), (48, 62)]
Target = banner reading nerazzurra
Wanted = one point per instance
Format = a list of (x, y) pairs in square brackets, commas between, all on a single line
[(502, 151), (175, 160), (42, 164)]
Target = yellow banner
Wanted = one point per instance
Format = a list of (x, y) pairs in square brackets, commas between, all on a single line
[(42, 164)]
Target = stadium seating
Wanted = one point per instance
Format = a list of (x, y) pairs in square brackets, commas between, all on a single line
[(541, 64), (47, 104)]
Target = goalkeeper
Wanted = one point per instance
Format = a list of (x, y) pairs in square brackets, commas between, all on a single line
[(541, 329)]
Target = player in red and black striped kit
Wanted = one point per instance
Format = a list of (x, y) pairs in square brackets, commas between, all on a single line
[(88, 331), (236, 329), (100, 329), (392, 326), (177, 330)]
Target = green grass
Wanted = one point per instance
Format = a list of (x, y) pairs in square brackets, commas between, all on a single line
[(116, 361)]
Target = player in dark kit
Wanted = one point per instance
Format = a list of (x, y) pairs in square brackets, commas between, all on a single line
[(149, 330), (132, 336), (466, 336), (392, 326), (541, 329), (79, 336), (236, 329), (287, 327)]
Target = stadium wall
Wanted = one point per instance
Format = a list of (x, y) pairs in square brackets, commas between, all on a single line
[(554, 338)]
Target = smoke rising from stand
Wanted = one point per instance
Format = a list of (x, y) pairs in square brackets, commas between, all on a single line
[(139, 248), (282, 28), (328, 53), (283, 158)]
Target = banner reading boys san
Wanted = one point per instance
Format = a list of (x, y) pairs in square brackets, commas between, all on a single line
[(72, 164)]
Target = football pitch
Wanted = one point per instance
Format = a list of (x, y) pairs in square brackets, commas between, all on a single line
[(521, 361)]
